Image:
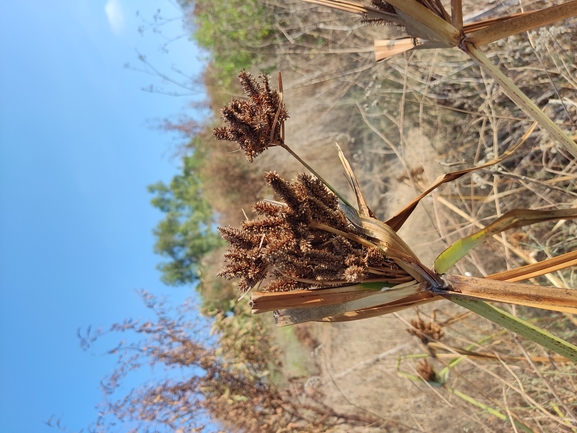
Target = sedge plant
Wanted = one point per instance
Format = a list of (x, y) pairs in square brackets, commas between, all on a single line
[(313, 256)]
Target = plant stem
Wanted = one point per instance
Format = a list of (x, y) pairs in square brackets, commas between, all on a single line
[(519, 98), (425, 23), (488, 409), (457, 14)]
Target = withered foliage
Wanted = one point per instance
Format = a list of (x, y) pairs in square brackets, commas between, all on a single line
[(254, 123), (285, 245), (227, 383), (388, 10), (383, 6), (426, 371), (426, 331)]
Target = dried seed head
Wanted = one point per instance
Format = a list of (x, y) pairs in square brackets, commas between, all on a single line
[(426, 371), (282, 247), (383, 6), (355, 274), (255, 123), (426, 331), (293, 197)]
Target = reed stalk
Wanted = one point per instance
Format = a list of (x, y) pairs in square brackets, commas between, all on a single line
[(520, 99)]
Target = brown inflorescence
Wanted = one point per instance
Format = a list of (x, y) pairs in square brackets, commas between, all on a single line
[(426, 371), (255, 123), (383, 7), (426, 331), (284, 246)]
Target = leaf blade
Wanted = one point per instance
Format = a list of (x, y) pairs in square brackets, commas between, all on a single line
[(519, 326), (512, 219), (529, 295), (397, 221)]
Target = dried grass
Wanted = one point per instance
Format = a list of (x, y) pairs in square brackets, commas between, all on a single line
[(379, 114)]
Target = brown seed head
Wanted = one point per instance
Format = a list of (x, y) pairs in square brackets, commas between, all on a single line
[(426, 371), (281, 247), (426, 331), (254, 123)]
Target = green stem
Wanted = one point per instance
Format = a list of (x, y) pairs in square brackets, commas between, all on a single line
[(488, 409)]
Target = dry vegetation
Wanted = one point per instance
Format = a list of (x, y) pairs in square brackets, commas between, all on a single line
[(400, 123), (403, 122)]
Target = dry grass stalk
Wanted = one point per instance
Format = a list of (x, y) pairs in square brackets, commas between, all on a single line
[(537, 269), (522, 23)]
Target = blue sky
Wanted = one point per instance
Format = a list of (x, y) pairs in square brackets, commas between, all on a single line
[(76, 154)]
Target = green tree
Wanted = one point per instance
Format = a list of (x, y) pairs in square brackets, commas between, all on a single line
[(186, 233), (236, 33)]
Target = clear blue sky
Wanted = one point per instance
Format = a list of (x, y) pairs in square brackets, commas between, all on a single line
[(76, 154)]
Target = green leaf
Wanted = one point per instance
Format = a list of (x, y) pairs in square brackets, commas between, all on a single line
[(240, 398), (519, 326), (512, 219)]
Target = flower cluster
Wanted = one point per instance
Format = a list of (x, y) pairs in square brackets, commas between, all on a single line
[(288, 247), (255, 123)]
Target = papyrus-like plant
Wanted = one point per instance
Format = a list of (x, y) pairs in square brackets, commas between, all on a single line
[(314, 257)]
